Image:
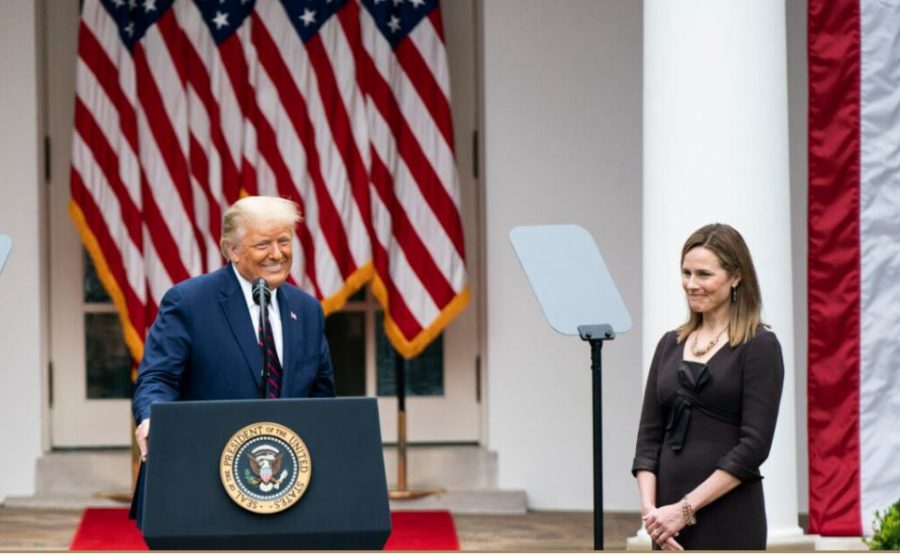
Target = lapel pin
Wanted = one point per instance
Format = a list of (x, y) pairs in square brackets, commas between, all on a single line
[(293, 315)]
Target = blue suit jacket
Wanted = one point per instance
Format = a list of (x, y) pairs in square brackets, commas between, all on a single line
[(202, 346)]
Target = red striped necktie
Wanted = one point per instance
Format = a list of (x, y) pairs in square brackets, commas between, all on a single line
[(274, 363)]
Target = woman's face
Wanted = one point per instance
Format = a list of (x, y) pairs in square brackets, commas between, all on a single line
[(706, 284)]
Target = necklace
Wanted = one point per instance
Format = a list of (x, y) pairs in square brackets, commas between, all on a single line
[(700, 352)]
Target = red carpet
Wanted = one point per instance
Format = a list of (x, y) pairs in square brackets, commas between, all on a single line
[(110, 529), (422, 531), (107, 529)]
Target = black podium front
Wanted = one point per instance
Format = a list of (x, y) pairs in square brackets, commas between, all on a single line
[(344, 505)]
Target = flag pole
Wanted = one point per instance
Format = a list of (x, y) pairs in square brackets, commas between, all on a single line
[(403, 492)]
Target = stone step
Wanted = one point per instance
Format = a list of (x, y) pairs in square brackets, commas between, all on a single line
[(842, 544), (452, 467), (62, 502), (494, 502), (467, 474), (488, 501), (81, 473)]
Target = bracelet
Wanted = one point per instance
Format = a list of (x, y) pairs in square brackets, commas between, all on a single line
[(687, 512)]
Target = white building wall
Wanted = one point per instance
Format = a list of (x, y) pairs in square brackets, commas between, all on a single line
[(22, 283), (562, 141)]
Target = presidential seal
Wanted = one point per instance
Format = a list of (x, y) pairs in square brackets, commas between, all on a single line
[(265, 468)]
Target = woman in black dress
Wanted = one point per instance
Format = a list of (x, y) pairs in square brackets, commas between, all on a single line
[(710, 406)]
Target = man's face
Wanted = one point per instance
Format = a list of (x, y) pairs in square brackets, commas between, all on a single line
[(264, 251)]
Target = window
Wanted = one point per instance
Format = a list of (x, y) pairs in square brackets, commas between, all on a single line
[(107, 361), (364, 359)]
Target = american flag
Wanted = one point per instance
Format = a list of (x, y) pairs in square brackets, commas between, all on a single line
[(183, 106)]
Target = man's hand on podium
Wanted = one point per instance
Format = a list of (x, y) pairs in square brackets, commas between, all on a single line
[(141, 433)]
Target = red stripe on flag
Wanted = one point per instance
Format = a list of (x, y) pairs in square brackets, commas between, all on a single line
[(437, 22), (235, 64), (108, 161), (268, 146), (200, 171), (161, 236), (150, 311), (198, 160), (249, 183), (397, 309), (191, 69), (167, 144), (107, 74), (175, 42), (295, 106), (111, 253), (348, 18), (341, 130), (423, 173), (422, 79), (417, 254), (834, 267)]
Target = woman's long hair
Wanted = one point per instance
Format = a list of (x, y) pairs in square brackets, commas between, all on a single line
[(734, 256)]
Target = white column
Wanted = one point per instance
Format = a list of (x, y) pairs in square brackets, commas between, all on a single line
[(716, 150), (23, 297)]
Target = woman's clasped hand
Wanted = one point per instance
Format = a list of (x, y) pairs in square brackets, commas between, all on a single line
[(664, 524)]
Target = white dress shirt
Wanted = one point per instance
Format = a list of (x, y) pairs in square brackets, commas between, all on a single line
[(274, 315)]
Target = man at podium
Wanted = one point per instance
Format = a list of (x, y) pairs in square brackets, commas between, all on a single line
[(205, 343)]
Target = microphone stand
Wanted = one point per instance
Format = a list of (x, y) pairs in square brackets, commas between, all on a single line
[(261, 297)]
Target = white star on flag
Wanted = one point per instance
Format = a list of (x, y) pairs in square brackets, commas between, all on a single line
[(221, 20), (308, 17), (149, 6), (394, 23), (417, 3), (130, 29)]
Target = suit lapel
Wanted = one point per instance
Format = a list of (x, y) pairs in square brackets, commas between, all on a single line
[(234, 306), (290, 328)]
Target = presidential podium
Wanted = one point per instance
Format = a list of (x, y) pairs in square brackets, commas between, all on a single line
[(292, 474)]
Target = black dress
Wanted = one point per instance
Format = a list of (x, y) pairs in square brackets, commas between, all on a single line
[(699, 417)]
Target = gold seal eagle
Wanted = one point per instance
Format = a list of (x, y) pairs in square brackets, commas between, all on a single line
[(265, 467)]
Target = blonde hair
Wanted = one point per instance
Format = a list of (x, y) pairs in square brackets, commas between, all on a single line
[(734, 256), (273, 210)]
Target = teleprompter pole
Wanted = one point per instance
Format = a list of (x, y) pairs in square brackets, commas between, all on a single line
[(595, 335)]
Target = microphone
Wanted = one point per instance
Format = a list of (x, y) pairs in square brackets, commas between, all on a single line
[(261, 296), (261, 290)]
